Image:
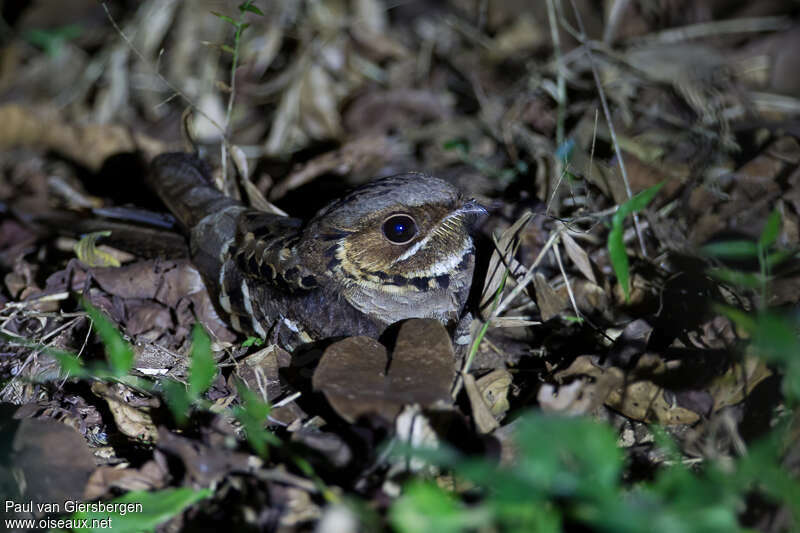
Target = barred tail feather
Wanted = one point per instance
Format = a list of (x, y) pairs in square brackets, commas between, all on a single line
[(185, 185)]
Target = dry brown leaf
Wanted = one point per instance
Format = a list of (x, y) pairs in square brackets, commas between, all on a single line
[(524, 34), (579, 257), (550, 302), (353, 375), (485, 422), (738, 382), (502, 259), (131, 420), (204, 464), (319, 107), (645, 401), (259, 371), (494, 388), (89, 144), (151, 476), (639, 399), (51, 461)]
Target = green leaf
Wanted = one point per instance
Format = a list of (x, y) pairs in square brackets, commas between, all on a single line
[(226, 18), (616, 246), (203, 369), (638, 202), (252, 341), (731, 249), (776, 339), (425, 507), (771, 229), (776, 258), (619, 258), (736, 277), (143, 511), (761, 467), (461, 145), (52, 40), (226, 48), (739, 317), (120, 354), (252, 414), (568, 456), (178, 400), (248, 7), (70, 364)]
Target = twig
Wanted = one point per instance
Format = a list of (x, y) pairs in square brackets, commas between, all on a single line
[(560, 81), (719, 27), (607, 114), (522, 283), (566, 280)]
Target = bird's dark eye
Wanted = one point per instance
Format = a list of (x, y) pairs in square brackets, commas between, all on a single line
[(399, 229)]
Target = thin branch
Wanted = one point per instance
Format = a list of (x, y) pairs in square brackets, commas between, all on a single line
[(607, 114)]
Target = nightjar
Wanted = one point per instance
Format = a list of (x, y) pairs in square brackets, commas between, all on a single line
[(394, 248)]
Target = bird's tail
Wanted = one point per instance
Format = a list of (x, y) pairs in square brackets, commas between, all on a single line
[(184, 184)]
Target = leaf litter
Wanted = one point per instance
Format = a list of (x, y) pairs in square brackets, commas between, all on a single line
[(577, 308)]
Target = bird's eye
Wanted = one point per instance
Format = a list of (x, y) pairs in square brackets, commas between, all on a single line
[(399, 229)]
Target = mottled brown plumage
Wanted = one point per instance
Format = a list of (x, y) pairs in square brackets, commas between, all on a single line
[(394, 248)]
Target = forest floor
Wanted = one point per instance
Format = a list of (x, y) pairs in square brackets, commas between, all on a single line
[(633, 362)]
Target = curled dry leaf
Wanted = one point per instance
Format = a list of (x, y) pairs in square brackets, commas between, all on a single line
[(494, 388), (485, 421), (738, 382), (357, 377), (640, 398), (131, 420)]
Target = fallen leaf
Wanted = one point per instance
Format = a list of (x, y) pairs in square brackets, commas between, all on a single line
[(151, 476), (550, 302), (50, 460), (131, 420), (501, 260), (579, 257), (357, 377), (205, 465), (739, 381), (485, 422), (494, 388)]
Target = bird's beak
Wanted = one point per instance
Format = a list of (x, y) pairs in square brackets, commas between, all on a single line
[(472, 212)]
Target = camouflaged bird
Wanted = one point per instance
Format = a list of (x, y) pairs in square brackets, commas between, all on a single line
[(394, 248)]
